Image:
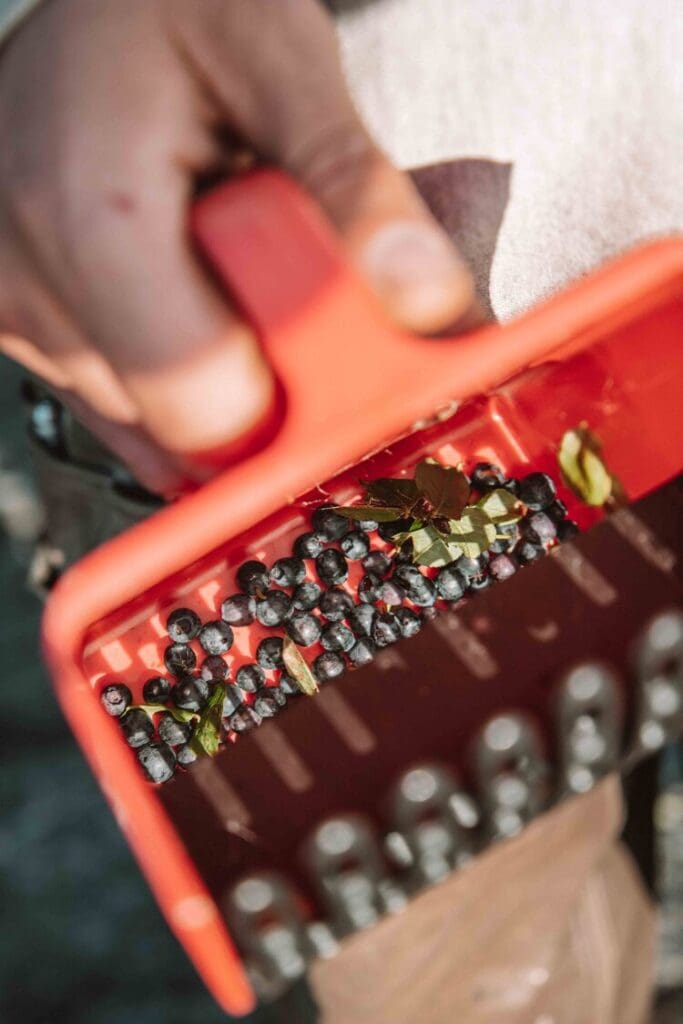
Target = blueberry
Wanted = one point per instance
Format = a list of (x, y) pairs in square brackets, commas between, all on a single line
[(179, 659), (185, 755), (370, 588), (306, 596), (288, 686), (409, 575), (337, 637), (508, 536), (329, 523), (172, 731), (304, 629), (486, 476), (367, 525), (269, 653), (158, 761), (512, 485), (480, 582), (252, 577), (567, 530), (557, 511), (265, 704), (288, 572), (327, 666), (182, 625), (233, 700), (470, 567), (362, 619), (214, 669), (528, 552), (238, 610), (502, 567), (308, 545), (386, 630), (116, 698), (336, 604), (355, 545), (539, 528), (331, 566), (273, 608), (392, 593), (243, 720), (410, 623), (216, 637), (450, 583), (190, 693), (429, 614), (137, 727), (537, 491), (362, 652), (378, 563), (388, 531), (424, 594), (250, 677), (156, 690)]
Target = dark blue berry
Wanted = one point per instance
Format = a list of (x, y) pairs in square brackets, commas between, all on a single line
[(362, 618), (470, 567), (329, 523), (450, 583), (137, 727), (331, 566), (480, 582), (527, 552), (567, 530), (512, 485), (392, 593), (185, 755), (378, 563), (214, 669), (265, 704), (232, 701), (179, 659), (336, 604), (486, 476), (190, 693), (538, 528), (158, 761), (367, 525), (508, 535), (243, 720), (308, 545), (288, 686), (183, 625), (386, 630), (370, 588), (273, 608), (250, 678), (423, 594), (537, 491), (269, 653), (388, 531), (172, 731), (502, 567), (328, 666), (156, 690), (409, 575), (306, 596), (410, 623), (288, 572), (253, 577), (116, 698), (216, 637), (238, 610), (304, 629), (355, 545), (557, 511), (337, 637), (362, 652)]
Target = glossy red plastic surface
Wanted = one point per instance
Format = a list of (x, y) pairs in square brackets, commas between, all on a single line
[(609, 350)]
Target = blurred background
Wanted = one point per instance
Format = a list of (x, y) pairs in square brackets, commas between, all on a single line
[(81, 939)]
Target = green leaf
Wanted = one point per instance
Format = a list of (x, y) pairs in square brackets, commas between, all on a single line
[(431, 548), (180, 714), (446, 488), (207, 735), (500, 506), (473, 532), (583, 468), (380, 515), (298, 668), (390, 493)]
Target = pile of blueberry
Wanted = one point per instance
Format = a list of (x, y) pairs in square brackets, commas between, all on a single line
[(307, 598)]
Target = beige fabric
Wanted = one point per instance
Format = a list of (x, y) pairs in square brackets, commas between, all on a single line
[(550, 927)]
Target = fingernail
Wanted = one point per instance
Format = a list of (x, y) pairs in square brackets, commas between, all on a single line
[(418, 275)]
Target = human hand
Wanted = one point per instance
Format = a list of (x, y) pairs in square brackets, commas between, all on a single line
[(110, 110)]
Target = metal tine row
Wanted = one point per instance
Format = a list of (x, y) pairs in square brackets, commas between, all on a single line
[(436, 826)]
